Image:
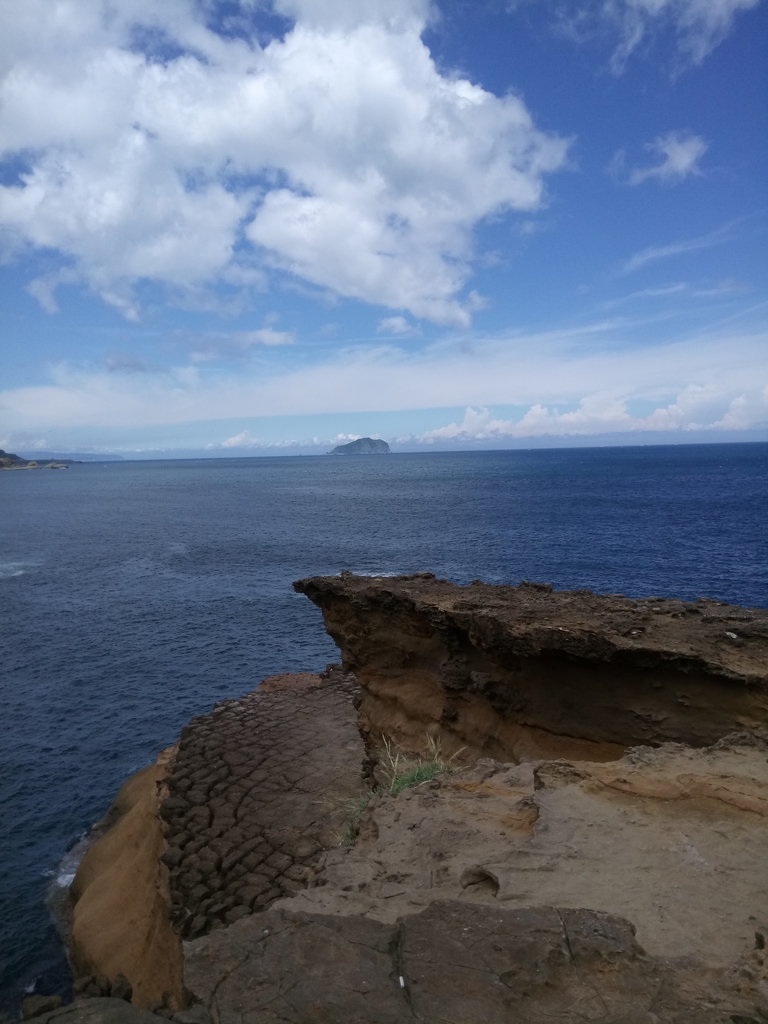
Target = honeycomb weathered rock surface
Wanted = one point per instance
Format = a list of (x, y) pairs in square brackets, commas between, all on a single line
[(258, 790)]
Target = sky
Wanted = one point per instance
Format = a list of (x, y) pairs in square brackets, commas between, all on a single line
[(246, 227)]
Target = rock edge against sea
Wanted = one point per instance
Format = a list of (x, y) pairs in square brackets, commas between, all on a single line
[(591, 848)]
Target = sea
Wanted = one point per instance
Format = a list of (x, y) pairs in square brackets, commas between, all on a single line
[(134, 595)]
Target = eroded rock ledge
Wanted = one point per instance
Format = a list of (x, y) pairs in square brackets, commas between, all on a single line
[(528, 672)]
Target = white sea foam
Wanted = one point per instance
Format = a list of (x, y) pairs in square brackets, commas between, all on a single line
[(10, 569), (57, 898)]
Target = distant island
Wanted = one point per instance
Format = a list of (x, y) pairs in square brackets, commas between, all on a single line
[(362, 446), (10, 461)]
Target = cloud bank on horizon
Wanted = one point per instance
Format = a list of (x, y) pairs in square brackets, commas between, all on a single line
[(217, 212)]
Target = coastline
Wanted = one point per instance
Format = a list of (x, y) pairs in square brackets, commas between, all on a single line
[(121, 913), (276, 816)]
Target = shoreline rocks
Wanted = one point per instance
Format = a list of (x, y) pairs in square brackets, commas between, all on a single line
[(121, 916), (553, 869), (10, 461)]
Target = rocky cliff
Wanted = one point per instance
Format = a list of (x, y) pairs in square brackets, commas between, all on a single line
[(511, 672), (510, 804), (10, 461)]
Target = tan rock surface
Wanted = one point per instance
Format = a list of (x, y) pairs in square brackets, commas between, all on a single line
[(453, 963), (682, 857), (527, 672), (611, 776), (121, 921)]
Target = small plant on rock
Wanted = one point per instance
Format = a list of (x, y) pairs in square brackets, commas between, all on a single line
[(400, 772), (407, 773), (356, 809)]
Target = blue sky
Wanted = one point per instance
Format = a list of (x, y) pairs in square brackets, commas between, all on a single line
[(264, 227)]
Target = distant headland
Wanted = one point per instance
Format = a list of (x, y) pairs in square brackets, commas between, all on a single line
[(10, 461), (362, 446)]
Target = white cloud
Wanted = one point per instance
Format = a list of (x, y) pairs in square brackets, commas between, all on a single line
[(339, 152), (681, 153), (585, 381), (699, 24), (245, 440), (603, 413), (661, 252), (647, 293), (234, 345), (396, 325), (241, 440), (264, 336)]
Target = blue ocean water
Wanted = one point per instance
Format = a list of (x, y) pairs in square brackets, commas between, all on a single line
[(134, 595)]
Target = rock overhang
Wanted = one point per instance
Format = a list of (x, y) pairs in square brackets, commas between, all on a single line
[(504, 670)]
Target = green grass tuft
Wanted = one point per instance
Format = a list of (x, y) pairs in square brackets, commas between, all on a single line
[(415, 776), (405, 773), (401, 773)]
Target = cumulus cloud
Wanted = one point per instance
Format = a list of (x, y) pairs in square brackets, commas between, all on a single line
[(149, 147), (246, 440), (241, 440), (680, 153), (608, 413)]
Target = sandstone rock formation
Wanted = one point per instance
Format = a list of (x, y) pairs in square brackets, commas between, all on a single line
[(98, 1011), (121, 917), (671, 839), (454, 963), (511, 672), (590, 847), (258, 790)]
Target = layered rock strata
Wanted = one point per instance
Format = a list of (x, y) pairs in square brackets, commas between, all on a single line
[(259, 788), (525, 672)]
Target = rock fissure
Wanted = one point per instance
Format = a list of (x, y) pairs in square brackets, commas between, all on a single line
[(566, 939)]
